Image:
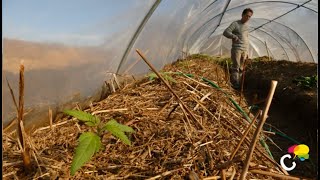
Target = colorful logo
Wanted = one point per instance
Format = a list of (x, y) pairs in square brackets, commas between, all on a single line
[(301, 151)]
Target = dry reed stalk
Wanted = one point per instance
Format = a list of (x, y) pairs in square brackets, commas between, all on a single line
[(134, 63), (204, 107), (274, 143), (259, 128), (12, 96), (35, 157), (108, 85), (50, 118), (247, 141), (46, 174), (162, 175), (223, 174), (168, 86), (244, 135), (53, 126), (228, 163), (202, 99), (166, 106), (9, 174), (109, 110), (25, 150), (268, 132), (200, 83), (116, 80), (233, 174), (267, 173), (112, 86), (215, 177), (185, 114), (12, 123), (173, 109), (5, 164)]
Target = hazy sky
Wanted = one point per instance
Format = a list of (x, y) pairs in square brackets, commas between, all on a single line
[(73, 21)]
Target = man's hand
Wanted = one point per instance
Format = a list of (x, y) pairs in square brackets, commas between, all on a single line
[(235, 39)]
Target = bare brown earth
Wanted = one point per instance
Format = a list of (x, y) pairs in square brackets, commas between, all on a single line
[(294, 109), (166, 142)]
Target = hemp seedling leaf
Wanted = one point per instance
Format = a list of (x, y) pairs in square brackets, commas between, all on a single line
[(118, 130), (89, 143), (89, 119)]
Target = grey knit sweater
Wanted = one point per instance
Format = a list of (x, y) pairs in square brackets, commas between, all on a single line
[(237, 28)]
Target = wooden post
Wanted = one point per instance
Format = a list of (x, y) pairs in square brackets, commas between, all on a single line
[(169, 87), (257, 132), (245, 135)]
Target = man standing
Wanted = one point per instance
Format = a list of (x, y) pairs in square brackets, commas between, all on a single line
[(238, 32)]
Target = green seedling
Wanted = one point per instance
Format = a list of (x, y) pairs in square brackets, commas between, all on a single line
[(166, 75), (90, 142), (306, 82)]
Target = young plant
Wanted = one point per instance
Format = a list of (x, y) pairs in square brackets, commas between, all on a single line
[(90, 142), (306, 82), (166, 75)]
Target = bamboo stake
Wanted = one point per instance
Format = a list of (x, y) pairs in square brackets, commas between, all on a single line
[(25, 150), (267, 173), (244, 135), (256, 133), (223, 174), (168, 86), (237, 131), (50, 118), (228, 73)]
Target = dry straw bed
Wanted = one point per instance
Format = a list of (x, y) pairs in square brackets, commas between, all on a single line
[(167, 144)]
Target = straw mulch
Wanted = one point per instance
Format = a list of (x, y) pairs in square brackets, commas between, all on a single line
[(166, 144)]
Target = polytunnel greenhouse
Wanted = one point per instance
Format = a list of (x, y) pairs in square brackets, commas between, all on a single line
[(137, 89)]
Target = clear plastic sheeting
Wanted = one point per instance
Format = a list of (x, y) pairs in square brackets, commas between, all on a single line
[(69, 48)]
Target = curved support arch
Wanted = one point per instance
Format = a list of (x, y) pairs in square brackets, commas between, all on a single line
[(298, 5), (262, 43), (295, 34), (278, 43), (289, 45), (280, 16), (211, 44), (209, 6), (137, 32)]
